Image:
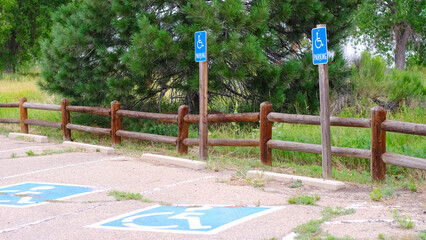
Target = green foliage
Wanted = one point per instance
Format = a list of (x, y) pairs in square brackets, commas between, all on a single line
[(383, 23), (22, 24), (142, 52), (122, 196), (296, 184), (331, 212), (403, 221), (309, 229), (304, 200), (30, 153), (376, 194)]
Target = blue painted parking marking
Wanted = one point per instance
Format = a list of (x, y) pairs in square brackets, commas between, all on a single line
[(184, 219), (31, 193)]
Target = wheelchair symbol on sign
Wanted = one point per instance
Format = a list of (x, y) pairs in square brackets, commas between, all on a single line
[(318, 42), (190, 215), (25, 197), (199, 42)]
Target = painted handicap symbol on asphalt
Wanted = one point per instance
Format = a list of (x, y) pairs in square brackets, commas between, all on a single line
[(181, 219), (30, 194)]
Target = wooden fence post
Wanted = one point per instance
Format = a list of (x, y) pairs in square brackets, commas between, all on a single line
[(66, 133), (182, 129), (23, 114), (265, 133), (115, 122), (378, 144)]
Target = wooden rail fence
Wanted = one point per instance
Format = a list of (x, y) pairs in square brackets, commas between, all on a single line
[(378, 125)]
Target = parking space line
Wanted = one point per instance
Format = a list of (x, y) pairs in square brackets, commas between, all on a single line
[(51, 218), (176, 184), (17, 149), (64, 166)]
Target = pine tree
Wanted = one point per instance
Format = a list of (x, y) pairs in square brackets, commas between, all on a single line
[(142, 52)]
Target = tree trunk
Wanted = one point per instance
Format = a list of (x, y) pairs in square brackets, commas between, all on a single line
[(402, 33)]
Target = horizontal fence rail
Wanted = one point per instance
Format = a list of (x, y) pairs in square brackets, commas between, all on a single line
[(170, 118), (316, 120), (378, 125), (9, 105), (91, 110)]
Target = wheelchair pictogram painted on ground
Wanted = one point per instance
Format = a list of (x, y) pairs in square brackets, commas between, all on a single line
[(30, 193), (182, 219)]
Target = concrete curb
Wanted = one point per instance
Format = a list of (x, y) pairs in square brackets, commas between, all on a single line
[(315, 182), (35, 138), (198, 165), (90, 147)]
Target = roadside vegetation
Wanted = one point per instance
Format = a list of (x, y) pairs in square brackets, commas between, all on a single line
[(371, 83)]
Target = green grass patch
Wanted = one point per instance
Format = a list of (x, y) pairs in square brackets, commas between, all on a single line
[(304, 200), (403, 221), (123, 196)]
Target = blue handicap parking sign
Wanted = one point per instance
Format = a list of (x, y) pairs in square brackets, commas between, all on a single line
[(30, 194), (200, 46), (183, 219), (319, 46)]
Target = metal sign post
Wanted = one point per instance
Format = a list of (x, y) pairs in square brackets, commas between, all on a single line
[(201, 57), (320, 58)]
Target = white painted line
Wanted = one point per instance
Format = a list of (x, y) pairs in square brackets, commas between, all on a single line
[(102, 149), (64, 166), (174, 160), (368, 221), (175, 184), (17, 149), (320, 183), (35, 138), (51, 218), (290, 236)]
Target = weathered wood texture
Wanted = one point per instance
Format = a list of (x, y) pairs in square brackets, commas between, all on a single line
[(43, 123), (265, 133), (403, 127), (23, 114), (325, 119), (183, 129), (378, 144), (224, 142), (404, 161), (314, 148), (115, 122), (223, 118), (41, 106), (203, 124), (9, 120), (66, 118), (9, 105), (316, 120), (91, 110), (147, 137), (171, 118), (105, 131)]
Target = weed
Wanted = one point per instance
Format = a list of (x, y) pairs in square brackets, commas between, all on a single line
[(412, 186), (330, 237), (13, 155), (121, 196), (309, 230), (422, 235), (376, 194), (404, 221), (331, 212), (382, 236), (296, 184), (304, 200), (30, 153)]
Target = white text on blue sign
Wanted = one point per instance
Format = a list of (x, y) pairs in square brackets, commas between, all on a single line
[(200, 46), (319, 46)]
